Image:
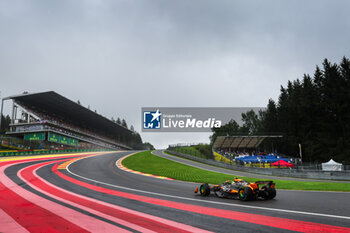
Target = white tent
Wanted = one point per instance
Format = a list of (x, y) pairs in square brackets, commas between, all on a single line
[(331, 165)]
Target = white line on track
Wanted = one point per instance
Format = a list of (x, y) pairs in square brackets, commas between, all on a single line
[(205, 201)]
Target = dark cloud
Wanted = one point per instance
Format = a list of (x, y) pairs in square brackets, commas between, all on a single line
[(118, 56)]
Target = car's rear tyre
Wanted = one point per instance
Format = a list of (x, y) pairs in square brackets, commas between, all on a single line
[(268, 193), (245, 194), (204, 190), (272, 193)]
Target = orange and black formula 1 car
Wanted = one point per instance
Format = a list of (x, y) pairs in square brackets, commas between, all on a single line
[(240, 189)]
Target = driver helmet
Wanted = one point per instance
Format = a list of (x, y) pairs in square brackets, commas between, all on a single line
[(237, 180)]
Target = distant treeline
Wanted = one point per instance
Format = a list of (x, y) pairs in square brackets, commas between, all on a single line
[(5, 122), (313, 112), (134, 139)]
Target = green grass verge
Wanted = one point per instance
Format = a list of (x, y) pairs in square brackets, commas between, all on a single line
[(190, 151), (148, 163)]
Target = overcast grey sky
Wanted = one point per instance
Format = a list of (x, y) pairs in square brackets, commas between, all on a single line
[(118, 56)]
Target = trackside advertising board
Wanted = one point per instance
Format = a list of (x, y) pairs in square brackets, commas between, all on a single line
[(53, 137), (62, 139), (34, 137), (73, 142)]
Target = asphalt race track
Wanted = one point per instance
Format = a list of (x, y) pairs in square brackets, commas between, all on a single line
[(89, 193)]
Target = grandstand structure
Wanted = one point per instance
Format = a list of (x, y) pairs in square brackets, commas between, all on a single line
[(245, 149), (55, 121), (240, 142)]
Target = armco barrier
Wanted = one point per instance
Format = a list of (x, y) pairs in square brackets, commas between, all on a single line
[(42, 152), (317, 174)]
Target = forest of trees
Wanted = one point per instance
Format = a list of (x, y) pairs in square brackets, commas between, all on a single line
[(134, 139), (313, 111), (5, 122)]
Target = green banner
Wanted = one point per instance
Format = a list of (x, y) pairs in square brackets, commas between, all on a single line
[(65, 140), (73, 142), (34, 136), (53, 137), (62, 139)]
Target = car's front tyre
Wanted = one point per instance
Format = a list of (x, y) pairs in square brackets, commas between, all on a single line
[(245, 194), (204, 190)]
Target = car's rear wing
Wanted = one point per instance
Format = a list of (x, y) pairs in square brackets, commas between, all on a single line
[(269, 183)]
